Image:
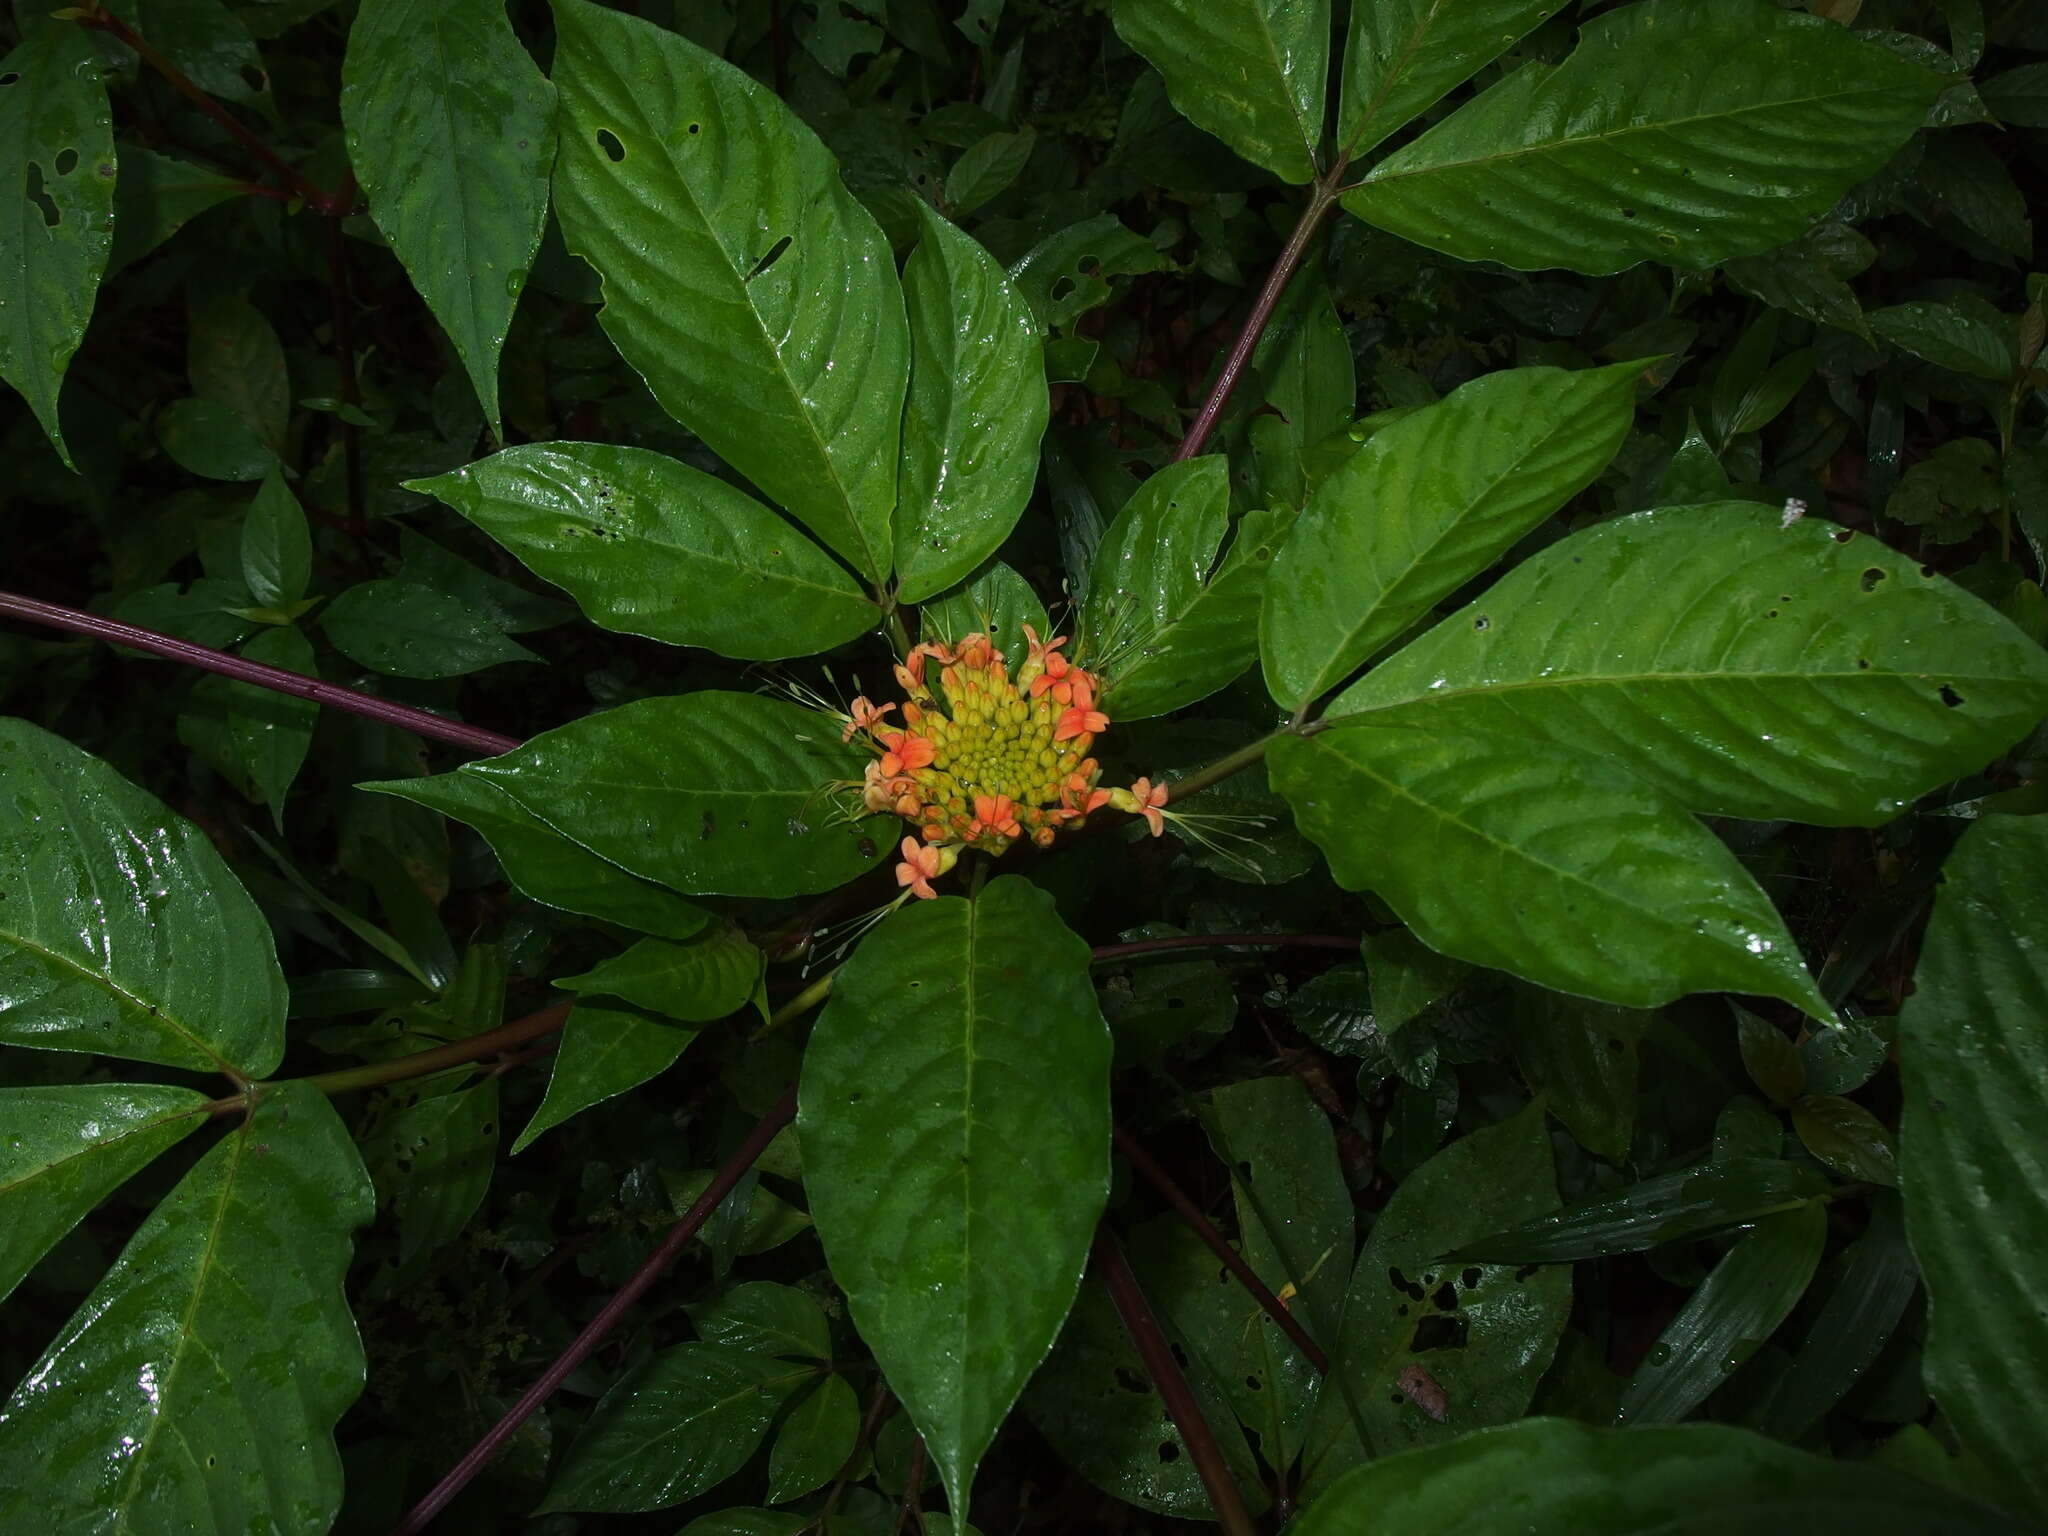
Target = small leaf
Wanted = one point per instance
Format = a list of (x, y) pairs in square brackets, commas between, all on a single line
[(1965, 334), (212, 439), (1408, 977), (995, 601), (1847, 1137), (433, 1160), (604, 1052), (1770, 1058), (407, 630), (277, 546), (255, 737), (696, 982), (1403, 56), (648, 546), (1736, 1308), (768, 1319), (954, 1118), (1581, 1057), (814, 1441), (684, 1422), (985, 169)]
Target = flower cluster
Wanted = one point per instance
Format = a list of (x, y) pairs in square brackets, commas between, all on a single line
[(978, 759)]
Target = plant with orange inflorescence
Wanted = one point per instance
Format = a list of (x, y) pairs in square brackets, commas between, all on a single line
[(983, 759)]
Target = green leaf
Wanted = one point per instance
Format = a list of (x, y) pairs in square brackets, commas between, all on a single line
[(770, 1220), (995, 601), (255, 737), (433, 1159), (56, 219), (648, 546), (1607, 1482), (1965, 334), (1973, 1062), (156, 195), (1736, 1308), (814, 1441), (1558, 867), (1251, 72), (511, 607), (122, 932), (451, 130), (1847, 1137), (1809, 277), (406, 630), (206, 41), (716, 794), (604, 1052), (211, 438), (544, 864), (1482, 1335), (1741, 666), (984, 170), (1426, 505), (954, 1118), (197, 1387), (741, 279), (754, 1522), (68, 1148), (235, 360), (277, 546), (1693, 1202), (1581, 1057), (2018, 97), (975, 412), (768, 1319), (1404, 55), (1408, 977), (684, 1422), (1770, 1058), (696, 982), (1630, 150), (1068, 273)]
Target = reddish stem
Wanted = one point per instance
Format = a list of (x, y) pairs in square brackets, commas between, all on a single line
[(1172, 1386), (1103, 952), (1322, 197), (403, 717), (650, 1270), (1219, 1245)]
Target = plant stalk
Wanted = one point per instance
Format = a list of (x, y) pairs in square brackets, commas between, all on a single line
[(1104, 952), (651, 1268), (1205, 1229), (1222, 768), (1322, 197), (341, 307), (403, 717), (1172, 1386)]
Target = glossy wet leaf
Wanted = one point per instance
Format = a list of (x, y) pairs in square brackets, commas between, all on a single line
[(703, 979), (432, 1159), (1582, 1058), (1742, 667), (1566, 1476), (206, 41), (451, 131), (1560, 868), (749, 288), (277, 546), (1680, 131), (604, 1052), (649, 546), (56, 216), (67, 1148), (211, 439), (122, 932), (1427, 504), (1964, 334), (1973, 1063), (711, 793), (767, 1318), (1751, 1290), (770, 1221), (197, 1387), (1770, 1058), (408, 630), (1483, 1334), (954, 1116), (255, 737), (1402, 56), (1408, 977), (1692, 1202), (543, 863), (1251, 72), (814, 1441), (975, 413), (1847, 1137), (684, 1422), (994, 601)]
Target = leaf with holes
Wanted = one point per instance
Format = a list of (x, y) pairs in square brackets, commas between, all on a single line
[(648, 546), (1973, 1062), (68, 1147), (1403, 56), (451, 129), (432, 1159), (197, 1387), (715, 794), (1479, 1335), (1249, 71), (954, 1119), (1680, 131), (975, 413), (57, 150), (742, 280), (1427, 504), (123, 933), (1739, 666), (1557, 866)]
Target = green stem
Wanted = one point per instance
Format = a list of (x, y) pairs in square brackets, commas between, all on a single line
[(802, 1003), (1222, 768)]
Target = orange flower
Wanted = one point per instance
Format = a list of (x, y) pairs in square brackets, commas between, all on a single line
[(996, 814), (1143, 798), (906, 753), (1080, 721), (865, 717), (920, 866), (1056, 667)]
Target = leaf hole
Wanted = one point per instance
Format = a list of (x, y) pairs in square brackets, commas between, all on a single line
[(1950, 697), (1863, 663), (1169, 1451), (66, 161), (1870, 579), (1180, 1356), (9, 78), (1439, 1333), (1527, 1271), (1130, 1380), (1628, 213), (774, 255), (1843, 535), (1446, 1297), (1062, 288), (41, 198), (1471, 1276), (696, 127), (1482, 622), (608, 141), (853, 1098)]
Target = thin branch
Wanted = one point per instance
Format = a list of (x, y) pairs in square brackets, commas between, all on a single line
[(1222, 768), (419, 721), (1171, 1385), (1104, 952), (913, 1494), (651, 1268), (1205, 1229), (1322, 197), (341, 305)]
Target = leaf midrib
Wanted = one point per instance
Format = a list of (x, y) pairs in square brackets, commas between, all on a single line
[(138, 1004), (140, 1128)]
